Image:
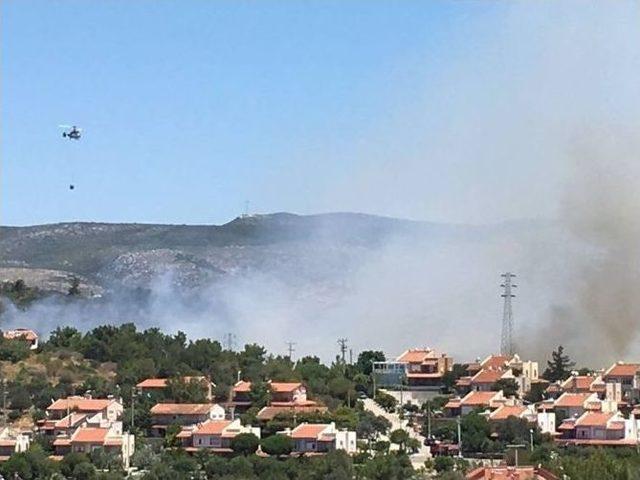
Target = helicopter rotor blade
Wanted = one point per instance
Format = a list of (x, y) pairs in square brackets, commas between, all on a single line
[(65, 126)]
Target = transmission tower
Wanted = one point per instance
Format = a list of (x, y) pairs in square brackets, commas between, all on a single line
[(229, 341), (343, 349), (507, 346)]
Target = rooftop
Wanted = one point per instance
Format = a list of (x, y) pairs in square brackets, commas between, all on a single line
[(181, 408), (81, 404)]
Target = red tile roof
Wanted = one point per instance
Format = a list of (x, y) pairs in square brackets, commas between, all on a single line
[(89, 435), (418, 355), (242, 387), (478, 398), (568, 400), (487, 376), (70, 420), (578, 382), (506, 411), (622, 369), (308, 430), (495, 361), (153, 383), (284, 387), (181, 408), (212, 427), (596, 419), (81, 404)]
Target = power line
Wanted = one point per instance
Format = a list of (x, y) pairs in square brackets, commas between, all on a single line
[(507, 346)]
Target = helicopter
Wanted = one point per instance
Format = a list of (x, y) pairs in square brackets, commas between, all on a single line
[(73, 133)]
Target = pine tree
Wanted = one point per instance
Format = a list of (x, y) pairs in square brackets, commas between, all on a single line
[(559, 367)]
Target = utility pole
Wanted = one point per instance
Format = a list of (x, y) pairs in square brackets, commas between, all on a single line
[(459, 438), (515, 449), (290, 349), (4, 401), (506, 342), (343, 349), (133, 406), (531, 438), (429, 419), (351, 356)]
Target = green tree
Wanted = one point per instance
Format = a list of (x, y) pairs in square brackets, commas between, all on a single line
[(400, 438), (366, 359), (386, 401), (277, 445), (559, 367), (245, 444), (508, 386)]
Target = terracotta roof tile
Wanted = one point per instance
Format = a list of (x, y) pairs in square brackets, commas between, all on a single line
[(242, 387), (621, 369), (568, 400), (507, 411), (212, 427), (284, 387), (487, 376), (89, 435), (478, 398), (181, 408), (81, 404), (495, 361), (415, 356), (308, 430)]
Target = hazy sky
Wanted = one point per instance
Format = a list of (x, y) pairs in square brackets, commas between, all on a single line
[(448, 111)]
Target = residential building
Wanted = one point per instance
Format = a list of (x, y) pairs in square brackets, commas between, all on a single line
[(284, 397), (165, 414), (65, 415), (572, 405), (152, 385), (420, 368), (545, 420), (628, 376), (88, 439), (595, 428), (483, 374), (584, 384), (321, 438), (12, 441), (23, 334), (213, 435), (475, 400)]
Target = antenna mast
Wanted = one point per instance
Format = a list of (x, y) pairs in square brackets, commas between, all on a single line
[(343, 349), (507, 346)]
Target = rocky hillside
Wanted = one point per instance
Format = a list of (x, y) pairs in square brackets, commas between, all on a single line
[(312, 248)]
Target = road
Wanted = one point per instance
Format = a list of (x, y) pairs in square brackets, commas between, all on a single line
[(424, 453)]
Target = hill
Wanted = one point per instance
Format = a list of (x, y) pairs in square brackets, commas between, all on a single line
[(107, 255)]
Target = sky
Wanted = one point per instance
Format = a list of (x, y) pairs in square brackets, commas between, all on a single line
[(449, 111)]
